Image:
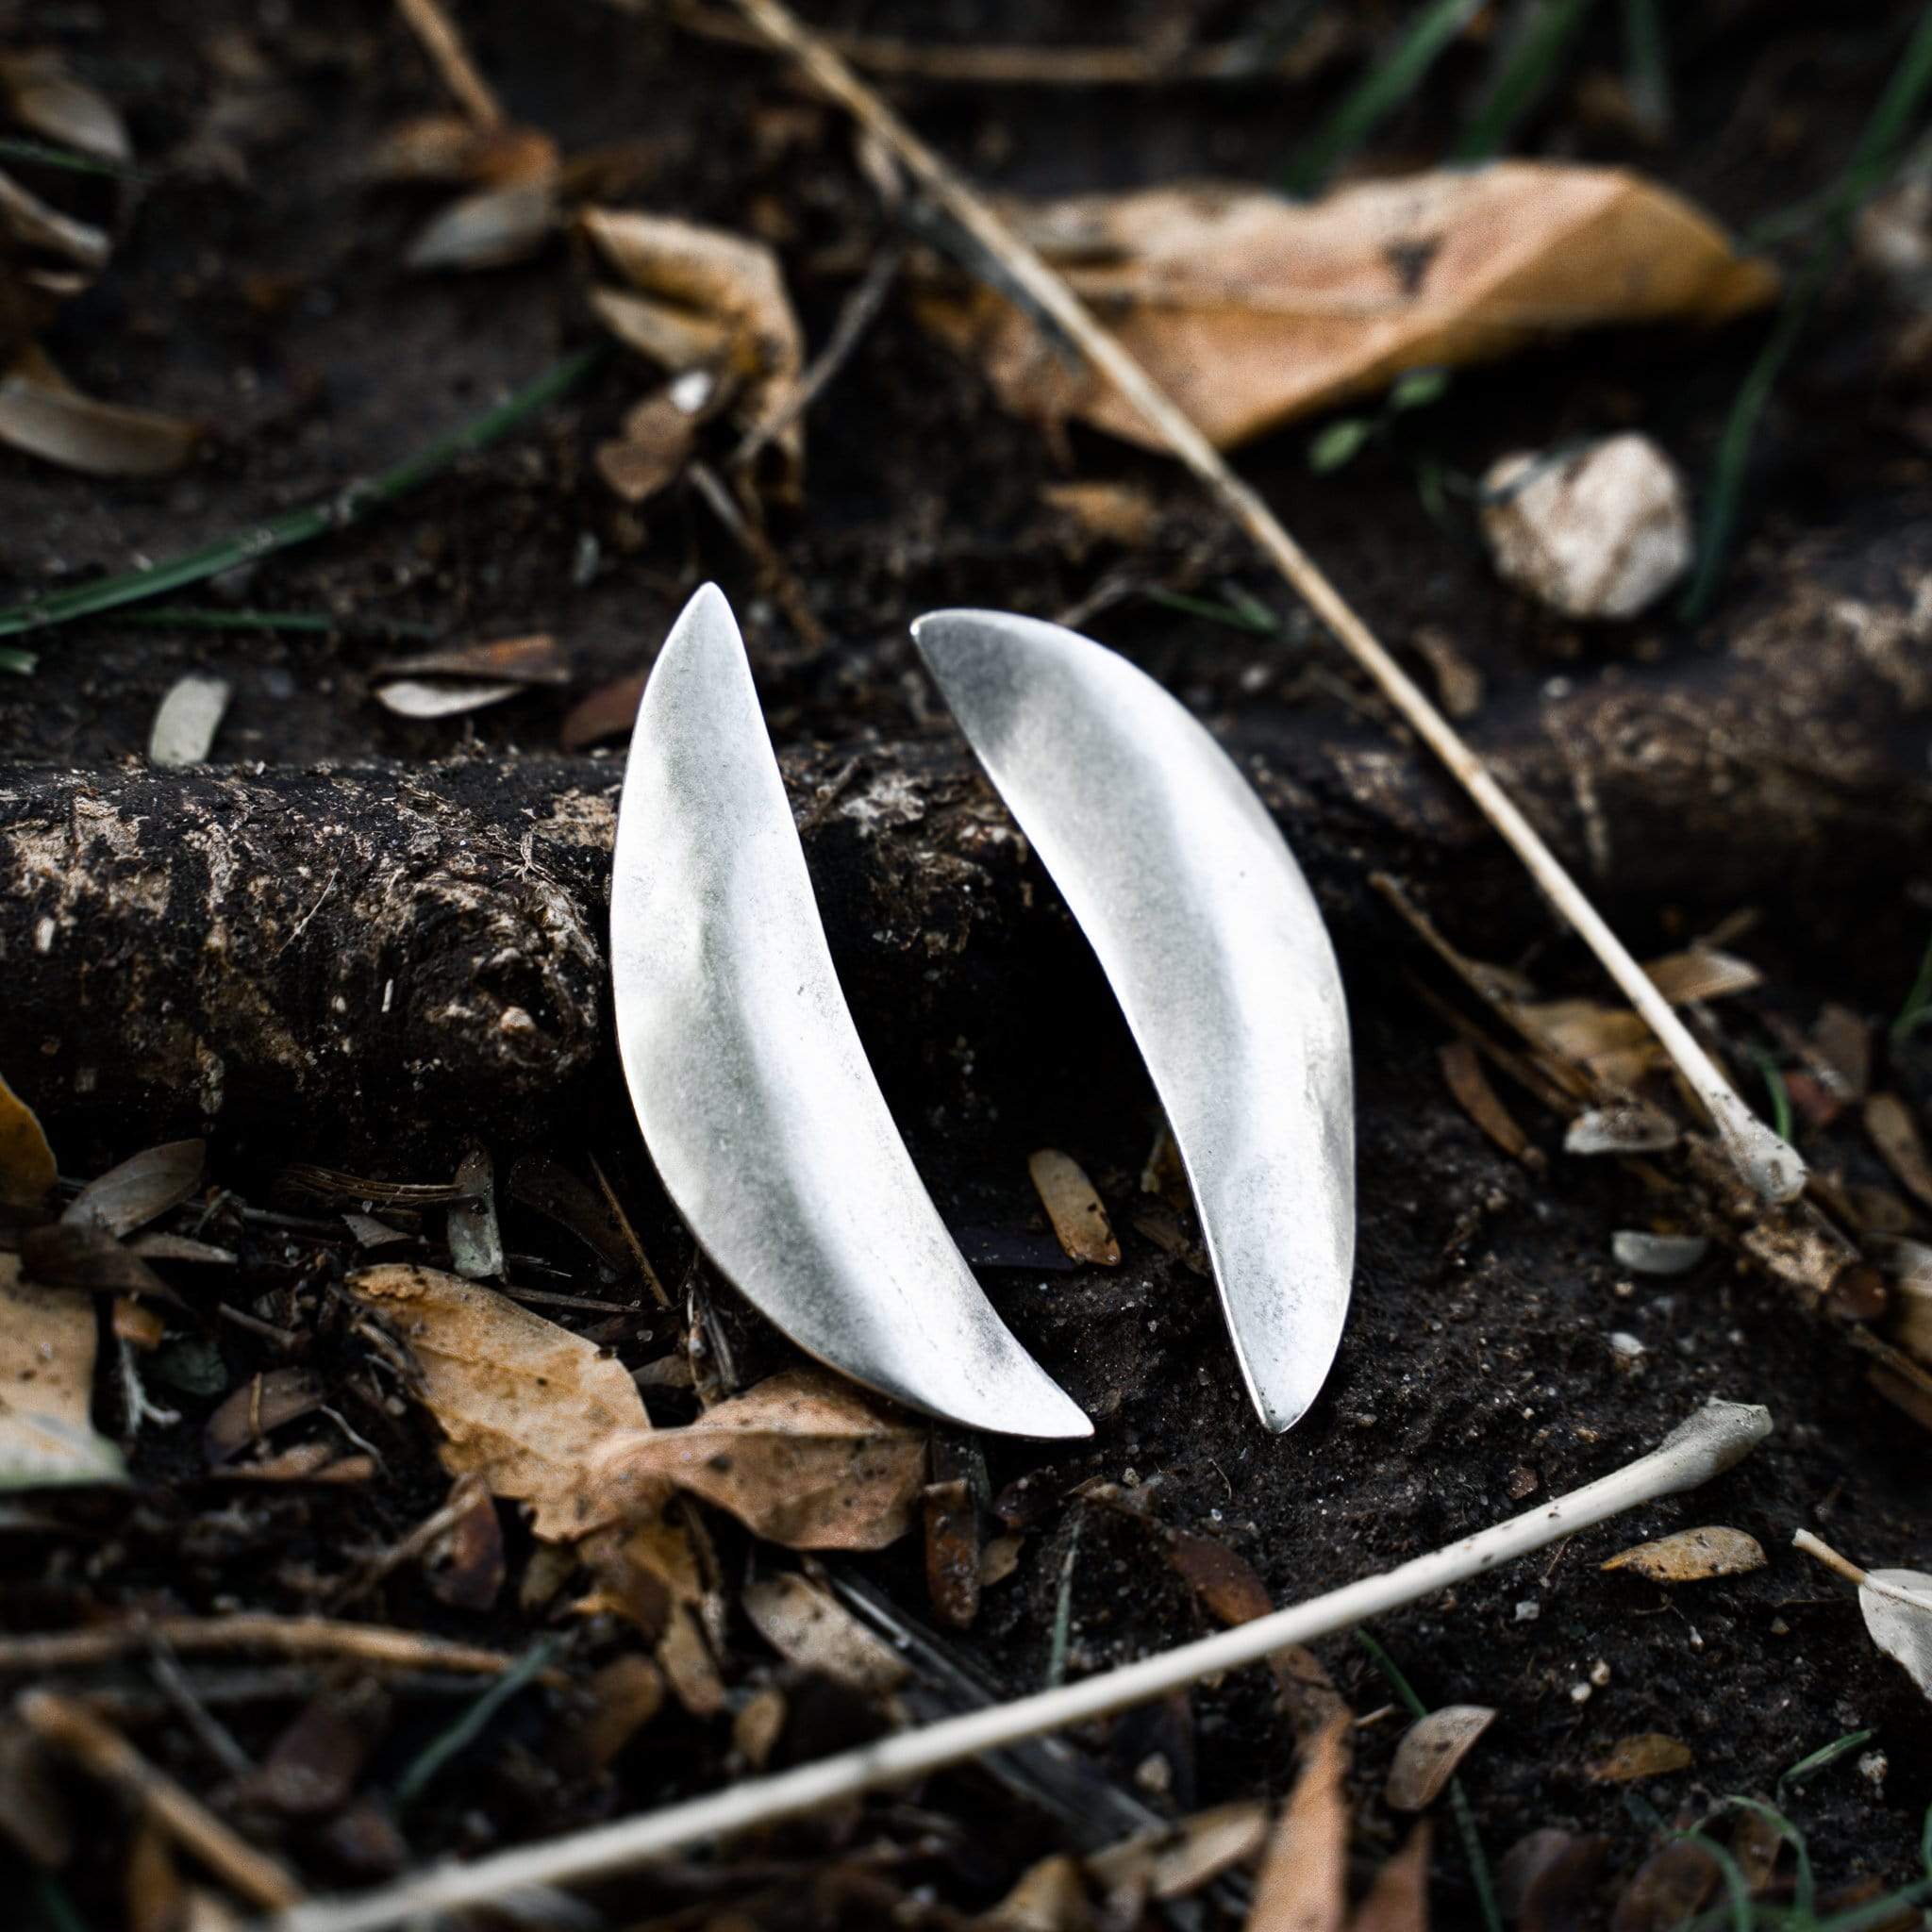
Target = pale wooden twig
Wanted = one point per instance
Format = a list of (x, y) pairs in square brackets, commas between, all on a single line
[(1821, 1551), (1772, 1169), (445, 46), (369, 1643), (1714, 1438), (71, 1728)]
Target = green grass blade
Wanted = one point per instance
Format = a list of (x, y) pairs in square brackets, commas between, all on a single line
[(1381, 90), (17, 660), (470, 1726), (1647, 64), (1532, 68), (43, 154), (1827, 1754), (346, 507), (1888, 121), (1917, 1009), (201, 617)]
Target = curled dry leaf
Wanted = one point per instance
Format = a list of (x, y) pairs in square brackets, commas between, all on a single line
[(1074, 1205), (809, 1627), (46, 1389), (415, 697), (519, 1400), (706, 299), (1049, 1896), (609, 711), (262, 1405), (187, 719), (1249, 308), (494, 228), (1896, 1135), (44, 96), (624, 1697), (453, 148), (1429, 1752), (1179, 1861), (1902, 1630), (43, 414), (1398, 1899), (26, 1162), (1692, 1555), (1549, 1878), (1303, 1882), (1462, 1072), (79, 1255), (659, 436), (1667, 1890), (38, 226), (1650, 1754), (803, 1459), (534, 660)]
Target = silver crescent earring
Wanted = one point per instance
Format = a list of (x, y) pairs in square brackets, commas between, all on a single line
[(754, 1094), (1214, 946)]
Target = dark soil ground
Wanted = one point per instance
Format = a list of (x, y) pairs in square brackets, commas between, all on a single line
[(259, 284)]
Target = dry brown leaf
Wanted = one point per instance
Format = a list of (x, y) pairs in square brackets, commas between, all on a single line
[(44, 96), (1650, 1754), (1302, 1881), (519, 1400), (1901, 1629), (28, 1172), (453, 148), (465, 1567), (1398, 1899), (809, 1627), (69, 1254), (1462, 1071), (688, 1668), (1249, 308), (494, 228), (259, 1406), (953, 1555), (1896, 1135), (1667, 1890), (1842, 1041), (1050, 1896), (141, 1188), (535, 659), (1074, 1205), (46, 1389), (1429, 1752), (803, 1458), (1549, 1879), (1110, 512), (609, 711), (1179, 1860), (624, 1697), (43, 414), (659, 435), (1692, 1555), (696, 282)]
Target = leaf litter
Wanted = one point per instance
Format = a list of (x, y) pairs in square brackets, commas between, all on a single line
[(1692, 1556)]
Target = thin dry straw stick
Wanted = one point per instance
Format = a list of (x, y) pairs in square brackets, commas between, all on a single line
[(1718, 1436), (445, 46), (1772, 1169)]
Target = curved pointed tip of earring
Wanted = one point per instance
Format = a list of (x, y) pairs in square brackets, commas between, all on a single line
[(1042, 1411), (1283, 1392)]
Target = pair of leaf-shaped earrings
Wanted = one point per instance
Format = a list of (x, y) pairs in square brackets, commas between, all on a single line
[(754, 1093)]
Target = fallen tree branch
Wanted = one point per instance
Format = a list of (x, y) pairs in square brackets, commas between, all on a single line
[(1715, 1439), (1771, 1167)]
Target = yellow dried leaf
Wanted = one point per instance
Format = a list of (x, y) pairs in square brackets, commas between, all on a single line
[(709, 281), (43, 414), (519, 1400), (1304, 1879), (804, 1459), (1074, 1205), (1398, 1899), (809, 1627), (1650, 1754), (1179, 1860), (1250, 309), (26, 1162), (1429, 1752), (46, 1387), (1896, 1135), (1462, 1072), (1692, 1555)]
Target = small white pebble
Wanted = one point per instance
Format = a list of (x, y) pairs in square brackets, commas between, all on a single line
[(1623, 1343), (1872, 1766), (1580, 1693), (1600, 1674), (515, 1020), (1528, 1610)]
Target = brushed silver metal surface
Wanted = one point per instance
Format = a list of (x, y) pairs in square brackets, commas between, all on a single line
[(1214, 947), (753, 1091)]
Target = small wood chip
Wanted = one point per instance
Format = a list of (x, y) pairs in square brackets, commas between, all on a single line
[(1079, 1220), (1429, 1752), (1692, 1555)]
